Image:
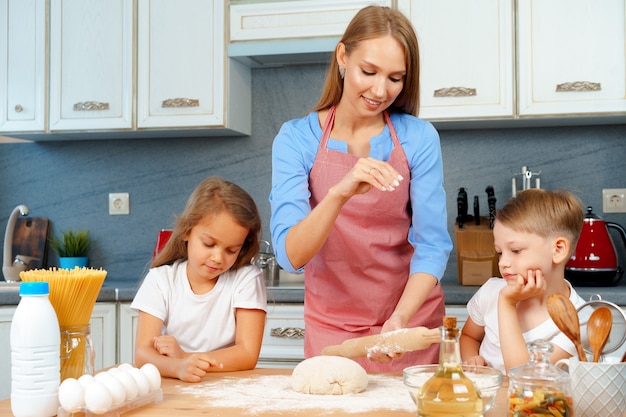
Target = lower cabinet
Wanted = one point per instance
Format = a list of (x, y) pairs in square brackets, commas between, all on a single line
[(127, 333), (283, 338), (103, 329)]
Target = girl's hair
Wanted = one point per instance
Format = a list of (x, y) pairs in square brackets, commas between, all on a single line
[(213, 196), (544, 213), (375, 22)]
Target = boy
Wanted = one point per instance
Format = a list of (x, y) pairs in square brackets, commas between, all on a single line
[(535, 233)]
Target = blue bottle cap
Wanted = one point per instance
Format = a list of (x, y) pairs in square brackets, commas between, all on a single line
[(34, 288)]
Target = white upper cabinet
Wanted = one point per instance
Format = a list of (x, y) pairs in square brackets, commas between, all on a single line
[(289, 32), (91, 64), (22, 65), (466, 57), (183, 76), (571, 57)]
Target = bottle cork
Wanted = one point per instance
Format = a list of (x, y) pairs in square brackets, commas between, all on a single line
[(449, 322)]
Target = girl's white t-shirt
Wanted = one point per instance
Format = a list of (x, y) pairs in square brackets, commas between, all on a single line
[(483, 310), (200, 323)]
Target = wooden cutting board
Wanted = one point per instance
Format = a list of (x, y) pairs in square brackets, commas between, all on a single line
[(30, 238)]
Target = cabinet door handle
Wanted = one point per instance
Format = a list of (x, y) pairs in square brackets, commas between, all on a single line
[(578, 86), (455, 92), (18, 108), (180, 102), (91, 106), (288, 332)]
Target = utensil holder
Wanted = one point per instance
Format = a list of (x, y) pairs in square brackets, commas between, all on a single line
[(477, 260)]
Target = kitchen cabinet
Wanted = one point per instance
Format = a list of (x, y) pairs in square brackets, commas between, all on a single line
[(23, 65), (103, 332), (183, 78), (91, 64), (466, 57), (571, 57), (295, 31), (127, 333), (283, 337)]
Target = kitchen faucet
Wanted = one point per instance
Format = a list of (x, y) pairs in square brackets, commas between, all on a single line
[(11, 268)]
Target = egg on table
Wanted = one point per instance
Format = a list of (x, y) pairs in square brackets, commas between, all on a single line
[(71, 395)]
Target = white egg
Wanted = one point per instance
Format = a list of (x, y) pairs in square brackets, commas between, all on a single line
[(129, 385), (71, 395), (125, 366), (143, 385), (98, 399), (117, 390), (154, 376), (86, 380), (102, 376), (114, 371)]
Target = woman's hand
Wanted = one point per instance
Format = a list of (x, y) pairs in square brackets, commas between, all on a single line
[(366, 174), (394, 322)]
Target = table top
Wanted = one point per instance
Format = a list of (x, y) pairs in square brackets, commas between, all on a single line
[(267, 392)]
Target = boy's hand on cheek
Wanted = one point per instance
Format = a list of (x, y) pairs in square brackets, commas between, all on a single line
[(534, 285)]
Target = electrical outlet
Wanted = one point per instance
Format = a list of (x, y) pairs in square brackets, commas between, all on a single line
[(119, 203), (614, 200)]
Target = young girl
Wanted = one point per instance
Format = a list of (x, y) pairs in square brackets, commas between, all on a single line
[(202, 304)]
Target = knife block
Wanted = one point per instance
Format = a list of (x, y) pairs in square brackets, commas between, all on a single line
[(476, 258)]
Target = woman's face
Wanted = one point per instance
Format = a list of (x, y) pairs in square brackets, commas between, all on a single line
[(374, 76), (213, 246)]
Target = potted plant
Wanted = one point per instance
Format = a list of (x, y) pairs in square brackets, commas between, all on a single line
[(72, 248)]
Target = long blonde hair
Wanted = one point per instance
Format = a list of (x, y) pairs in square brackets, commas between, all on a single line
[(374, 22), (213, 196)]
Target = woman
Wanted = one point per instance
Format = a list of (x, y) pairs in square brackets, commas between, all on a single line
[(357, 196)]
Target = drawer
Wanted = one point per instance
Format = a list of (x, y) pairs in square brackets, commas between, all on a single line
[(283, 338)]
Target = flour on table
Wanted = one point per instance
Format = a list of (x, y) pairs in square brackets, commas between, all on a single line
[(273, 393)]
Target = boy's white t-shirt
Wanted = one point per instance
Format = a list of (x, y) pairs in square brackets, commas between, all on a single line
[(200, 323), (483, 310)]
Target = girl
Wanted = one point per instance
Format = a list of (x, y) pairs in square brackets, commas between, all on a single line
[(202, 305)]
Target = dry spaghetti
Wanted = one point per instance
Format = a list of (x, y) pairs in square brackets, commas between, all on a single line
[(73, 294)]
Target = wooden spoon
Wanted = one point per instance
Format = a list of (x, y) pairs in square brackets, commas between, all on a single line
[(565, 316), (598, 330)]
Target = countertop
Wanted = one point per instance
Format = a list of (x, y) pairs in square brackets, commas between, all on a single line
[(124, 290), (235, 394)]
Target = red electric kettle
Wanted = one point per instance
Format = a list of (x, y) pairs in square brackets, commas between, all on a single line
[(594, 262)]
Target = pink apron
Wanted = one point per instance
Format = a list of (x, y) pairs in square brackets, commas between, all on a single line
[(354, 283)]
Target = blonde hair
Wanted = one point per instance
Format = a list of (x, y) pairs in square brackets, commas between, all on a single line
[(544, 213), (213, 196), (375, 22)]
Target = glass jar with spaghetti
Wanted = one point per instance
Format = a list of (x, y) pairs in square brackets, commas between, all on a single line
[(77, 353)]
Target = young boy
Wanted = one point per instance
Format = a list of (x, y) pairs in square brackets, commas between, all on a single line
[(535, 234)]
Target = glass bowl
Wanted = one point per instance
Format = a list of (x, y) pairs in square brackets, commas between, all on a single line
[(487, 380)]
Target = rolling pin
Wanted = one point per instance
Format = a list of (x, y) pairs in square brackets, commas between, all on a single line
[(401, 340)]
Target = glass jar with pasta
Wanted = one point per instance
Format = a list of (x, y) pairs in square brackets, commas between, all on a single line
[(538, 388)]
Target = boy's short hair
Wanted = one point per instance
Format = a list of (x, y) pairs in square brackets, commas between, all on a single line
[(544, 213)]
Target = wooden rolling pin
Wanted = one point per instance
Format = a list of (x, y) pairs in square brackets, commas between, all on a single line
[(401, 340)]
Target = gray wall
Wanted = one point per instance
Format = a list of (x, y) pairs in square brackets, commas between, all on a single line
[(68, 182)]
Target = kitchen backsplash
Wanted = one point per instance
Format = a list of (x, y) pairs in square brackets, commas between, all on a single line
[(69, 182)]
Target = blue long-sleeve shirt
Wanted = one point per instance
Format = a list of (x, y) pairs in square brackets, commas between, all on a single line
[(293, 153)]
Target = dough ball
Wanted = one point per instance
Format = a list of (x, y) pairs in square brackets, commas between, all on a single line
[(324, 375)]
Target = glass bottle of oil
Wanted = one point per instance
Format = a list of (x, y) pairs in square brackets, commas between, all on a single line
[(449, 392)]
